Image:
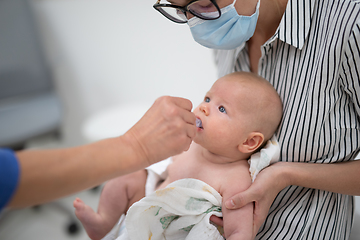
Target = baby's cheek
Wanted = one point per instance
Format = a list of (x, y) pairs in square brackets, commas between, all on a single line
[(196, 110)]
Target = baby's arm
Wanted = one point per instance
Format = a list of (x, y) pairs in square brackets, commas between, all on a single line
[(238, 223)]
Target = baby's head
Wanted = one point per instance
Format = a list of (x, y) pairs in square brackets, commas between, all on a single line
[(239, 113)]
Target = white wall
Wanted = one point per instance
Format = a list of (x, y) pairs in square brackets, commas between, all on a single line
[(108, 52)]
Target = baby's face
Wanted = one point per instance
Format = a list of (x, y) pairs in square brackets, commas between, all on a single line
[(225, 117)]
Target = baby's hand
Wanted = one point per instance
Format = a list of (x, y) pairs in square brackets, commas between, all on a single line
[(217, 220)]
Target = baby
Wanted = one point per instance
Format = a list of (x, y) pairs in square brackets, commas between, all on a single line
[(239, 114)]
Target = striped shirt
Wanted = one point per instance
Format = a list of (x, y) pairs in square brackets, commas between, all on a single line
[(313, 61)]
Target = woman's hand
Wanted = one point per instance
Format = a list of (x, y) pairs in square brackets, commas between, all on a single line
[(165, 130), (276, 177), (269, 182)]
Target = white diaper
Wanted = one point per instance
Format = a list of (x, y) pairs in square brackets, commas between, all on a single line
[(182, 210)]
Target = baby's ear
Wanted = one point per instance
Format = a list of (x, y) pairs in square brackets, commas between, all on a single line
[(253, 142)]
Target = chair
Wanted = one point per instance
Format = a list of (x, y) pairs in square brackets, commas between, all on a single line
[(29, 106)]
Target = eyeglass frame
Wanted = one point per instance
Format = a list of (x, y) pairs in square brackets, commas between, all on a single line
[(184, 10)]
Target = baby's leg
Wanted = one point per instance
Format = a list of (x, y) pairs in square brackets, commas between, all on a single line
[(116, 197)]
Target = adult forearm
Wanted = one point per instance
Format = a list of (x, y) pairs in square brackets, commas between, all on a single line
[(50, 174), (165, 130), (341, 178)]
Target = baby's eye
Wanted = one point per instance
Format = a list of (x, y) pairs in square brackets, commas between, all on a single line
[(206, 99), (222, 109)]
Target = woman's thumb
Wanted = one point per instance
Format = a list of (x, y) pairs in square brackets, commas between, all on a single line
[(237, 201)]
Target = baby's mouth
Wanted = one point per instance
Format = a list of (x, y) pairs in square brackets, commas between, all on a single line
[(199, 123)]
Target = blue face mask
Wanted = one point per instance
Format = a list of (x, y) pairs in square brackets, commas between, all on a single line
[(227, 32)]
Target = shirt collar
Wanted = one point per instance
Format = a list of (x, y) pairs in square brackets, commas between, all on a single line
[(295, 23)]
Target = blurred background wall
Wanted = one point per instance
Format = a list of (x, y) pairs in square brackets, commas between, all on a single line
[(104, 54), (109, 52)]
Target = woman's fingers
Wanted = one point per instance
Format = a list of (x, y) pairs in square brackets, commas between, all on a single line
[(239, 200), (165, 130)]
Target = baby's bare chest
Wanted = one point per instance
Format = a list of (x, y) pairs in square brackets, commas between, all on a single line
[(191, 168)]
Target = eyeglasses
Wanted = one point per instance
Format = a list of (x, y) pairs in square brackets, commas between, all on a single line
[(204, 9)]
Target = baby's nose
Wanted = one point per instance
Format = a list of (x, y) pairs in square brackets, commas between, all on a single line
[(205, 109)]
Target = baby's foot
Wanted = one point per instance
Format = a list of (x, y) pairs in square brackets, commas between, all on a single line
[(92, 221)]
